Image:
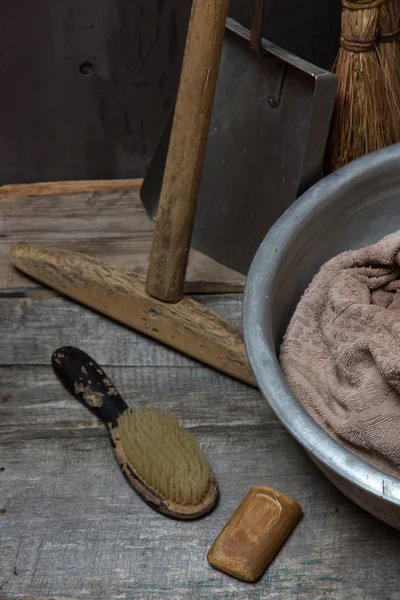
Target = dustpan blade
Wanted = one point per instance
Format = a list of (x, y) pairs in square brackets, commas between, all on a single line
[(258, 158)]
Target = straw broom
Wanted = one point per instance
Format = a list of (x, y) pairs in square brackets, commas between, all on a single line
[(389, 53), (363, 119), (397, 42)]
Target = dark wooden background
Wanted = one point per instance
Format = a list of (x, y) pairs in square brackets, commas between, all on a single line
[(87, 85)]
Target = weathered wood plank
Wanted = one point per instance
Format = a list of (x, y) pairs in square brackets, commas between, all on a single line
[(187, 326), (74, 529), (34, 329), (105, 222), (100, 81), (58, 188), (35, 404)]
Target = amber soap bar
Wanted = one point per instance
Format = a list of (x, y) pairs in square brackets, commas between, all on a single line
[(255, 532)]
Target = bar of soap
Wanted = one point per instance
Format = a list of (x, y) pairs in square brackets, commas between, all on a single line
[(254, 534)]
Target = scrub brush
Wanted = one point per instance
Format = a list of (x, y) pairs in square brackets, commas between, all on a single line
[(161, 460)]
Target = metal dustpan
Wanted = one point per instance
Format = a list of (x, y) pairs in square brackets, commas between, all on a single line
[(267, 138)]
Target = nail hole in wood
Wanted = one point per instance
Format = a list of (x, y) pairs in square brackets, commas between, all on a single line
[(86, 68)]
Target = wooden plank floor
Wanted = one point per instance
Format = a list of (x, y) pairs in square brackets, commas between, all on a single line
[(103, 219), (72, 529)]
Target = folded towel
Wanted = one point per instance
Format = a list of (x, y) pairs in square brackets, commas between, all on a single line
[(341, 352)]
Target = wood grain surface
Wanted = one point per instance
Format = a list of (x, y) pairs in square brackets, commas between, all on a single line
[(103, 219), (100, 77), (87, 85), (72, 529), (187, 145), (187, 325)]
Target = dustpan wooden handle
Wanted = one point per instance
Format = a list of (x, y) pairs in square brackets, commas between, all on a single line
[(177, 204)]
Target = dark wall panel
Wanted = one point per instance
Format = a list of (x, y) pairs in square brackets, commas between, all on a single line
[(86, 85)]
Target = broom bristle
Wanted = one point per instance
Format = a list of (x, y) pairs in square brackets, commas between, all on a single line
[(361, 121), (388, 49), (397, 42)]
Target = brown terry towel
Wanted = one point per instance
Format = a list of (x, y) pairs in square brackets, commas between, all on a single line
[(341, 352)]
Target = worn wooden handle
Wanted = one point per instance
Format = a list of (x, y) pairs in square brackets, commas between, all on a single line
[(120, 294), (85, 379), (177, 204)]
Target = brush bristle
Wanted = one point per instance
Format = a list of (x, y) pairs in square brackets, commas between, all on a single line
[(164, 455)]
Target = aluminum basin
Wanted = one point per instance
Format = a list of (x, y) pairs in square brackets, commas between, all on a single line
[(351, 208)]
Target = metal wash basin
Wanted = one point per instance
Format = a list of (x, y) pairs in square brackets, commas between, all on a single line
[(351, 208)]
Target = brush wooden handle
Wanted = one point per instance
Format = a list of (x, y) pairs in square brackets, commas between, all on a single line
[(177, 204), (120, 294), (85, 379)]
